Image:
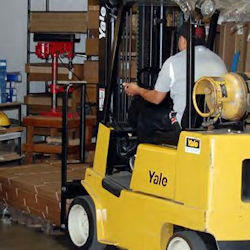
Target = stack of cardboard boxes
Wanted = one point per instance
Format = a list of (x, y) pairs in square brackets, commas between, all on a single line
[(91, 65), (35, 189), (235, 37)]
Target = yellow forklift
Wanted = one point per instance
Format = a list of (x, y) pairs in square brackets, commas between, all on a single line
[(190, 196)]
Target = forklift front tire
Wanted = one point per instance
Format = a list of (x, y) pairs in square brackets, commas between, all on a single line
[(186, 240), (81, 224)]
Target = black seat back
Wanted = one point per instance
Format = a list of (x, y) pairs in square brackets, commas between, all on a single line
[(196, 119)]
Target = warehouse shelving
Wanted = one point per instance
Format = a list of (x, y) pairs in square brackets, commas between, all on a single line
[(13, 132), (48, 21)]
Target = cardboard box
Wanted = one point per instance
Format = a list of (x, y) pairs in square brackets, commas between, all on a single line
[(92, 46), (94, 8), (247, 64), (91, 93), (36, 189), (70, 22), (43, 72), (93, 5), (43, 100), (233, 38), (93, 2), (93, 20), (91, 71)]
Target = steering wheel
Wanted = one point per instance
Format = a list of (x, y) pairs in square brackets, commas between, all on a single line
[(151, 71)]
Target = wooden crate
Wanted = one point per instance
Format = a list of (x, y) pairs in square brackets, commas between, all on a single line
[(58, 22)]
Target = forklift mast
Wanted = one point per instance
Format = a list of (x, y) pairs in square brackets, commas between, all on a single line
[(156, 23), (151, 43)]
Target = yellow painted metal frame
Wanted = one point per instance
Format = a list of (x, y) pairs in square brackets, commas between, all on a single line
[(201, 191)]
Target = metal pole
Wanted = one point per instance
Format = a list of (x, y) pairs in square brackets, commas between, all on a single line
[(212, 30), (112, 79), (82, 124), (161, 36), (64, 157), (47, 5), (19, 124), (121, 95), (190, 73), (54, 82), (143, 42), (28, 49), (130, 43), (130, 58), (126, 64), (151, 41)]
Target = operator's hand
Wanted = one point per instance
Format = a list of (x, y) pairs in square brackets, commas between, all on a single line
[(131, 89)]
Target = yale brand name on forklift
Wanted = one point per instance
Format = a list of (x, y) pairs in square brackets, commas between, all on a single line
[(102, 28), (157, 179)]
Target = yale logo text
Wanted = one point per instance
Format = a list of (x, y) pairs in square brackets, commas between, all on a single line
[(193, 143), (102, 27), (157, 179)]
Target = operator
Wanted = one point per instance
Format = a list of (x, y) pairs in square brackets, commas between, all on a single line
[(172, 77)]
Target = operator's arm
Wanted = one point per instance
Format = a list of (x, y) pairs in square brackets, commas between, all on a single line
[(152, 96)]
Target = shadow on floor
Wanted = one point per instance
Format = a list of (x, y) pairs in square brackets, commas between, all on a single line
[(19, 237)]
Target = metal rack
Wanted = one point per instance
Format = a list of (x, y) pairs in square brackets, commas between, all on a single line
[(70, 189)]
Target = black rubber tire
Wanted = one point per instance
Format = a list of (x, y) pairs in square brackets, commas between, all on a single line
[(192, 238), (89, 207)]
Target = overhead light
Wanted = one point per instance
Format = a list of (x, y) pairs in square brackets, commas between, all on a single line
[(206, 7)]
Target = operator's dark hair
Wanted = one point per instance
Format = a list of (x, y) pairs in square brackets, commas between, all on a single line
[(199, 36)]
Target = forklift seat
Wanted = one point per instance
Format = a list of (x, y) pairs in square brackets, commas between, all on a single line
[(196, 119)]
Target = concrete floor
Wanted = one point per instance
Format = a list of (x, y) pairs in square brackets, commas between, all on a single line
[(19, 237)]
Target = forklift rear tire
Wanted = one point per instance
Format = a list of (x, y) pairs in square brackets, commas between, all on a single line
[(81, 224), (186, 240)]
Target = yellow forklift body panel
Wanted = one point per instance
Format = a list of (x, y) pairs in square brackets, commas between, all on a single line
[(202, 191), (101, 152), (157, 176), (137, 221)]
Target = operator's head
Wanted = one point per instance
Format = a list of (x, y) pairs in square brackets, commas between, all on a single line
[(183, 33)]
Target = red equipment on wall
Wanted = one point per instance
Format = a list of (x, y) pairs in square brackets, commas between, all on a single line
[(45, 50)]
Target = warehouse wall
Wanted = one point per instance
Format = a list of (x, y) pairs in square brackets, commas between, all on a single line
[(13, 26), (13, 32)]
